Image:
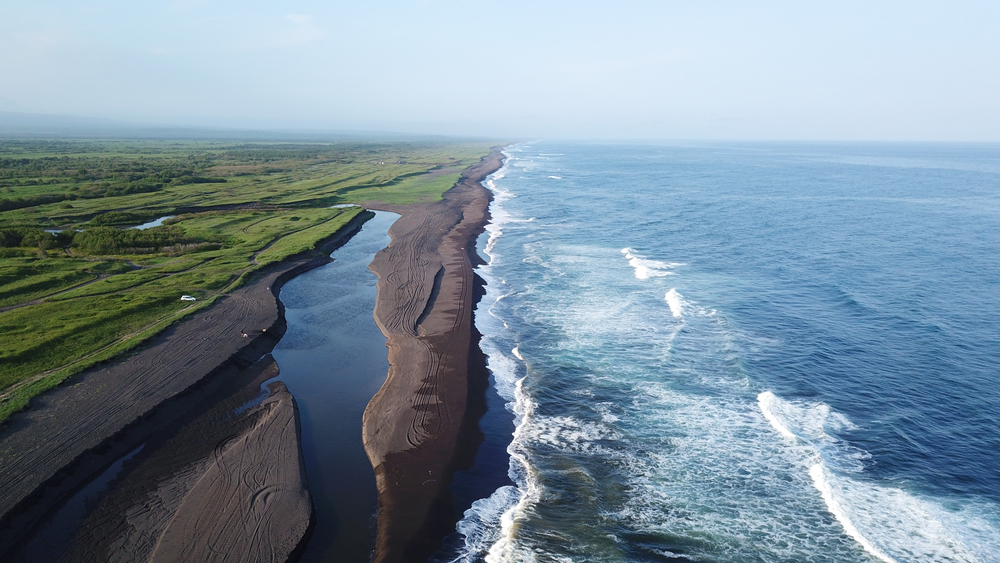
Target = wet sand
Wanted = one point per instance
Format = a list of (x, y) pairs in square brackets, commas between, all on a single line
[(420, 426)]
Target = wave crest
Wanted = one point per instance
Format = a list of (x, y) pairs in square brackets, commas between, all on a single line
[(646, 268), (888, 522)]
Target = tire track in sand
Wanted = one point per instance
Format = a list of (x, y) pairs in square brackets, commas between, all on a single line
[(241, 508)]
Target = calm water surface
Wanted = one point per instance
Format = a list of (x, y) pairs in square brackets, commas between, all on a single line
[(333, 359)]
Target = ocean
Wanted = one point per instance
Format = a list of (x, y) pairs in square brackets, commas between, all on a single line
[(741, 353)]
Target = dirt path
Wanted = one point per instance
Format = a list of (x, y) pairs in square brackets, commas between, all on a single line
[(414, 424)]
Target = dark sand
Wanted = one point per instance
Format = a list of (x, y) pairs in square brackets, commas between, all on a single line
[(416, 430), (72, 433), (218, 478), (252, 502), (417, 426)]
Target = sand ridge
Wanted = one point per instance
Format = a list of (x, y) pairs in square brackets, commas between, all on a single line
[(225, 483), (426, 296)]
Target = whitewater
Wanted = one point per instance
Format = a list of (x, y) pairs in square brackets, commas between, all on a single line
[(734, 353)]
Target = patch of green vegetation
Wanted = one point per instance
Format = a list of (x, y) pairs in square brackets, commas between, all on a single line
[(51, 334), (316, 229), (25, 279), (94, 289), (16, 396), (110, 285), (415, 189)]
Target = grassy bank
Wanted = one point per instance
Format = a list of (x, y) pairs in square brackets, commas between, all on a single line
[(96, 288)]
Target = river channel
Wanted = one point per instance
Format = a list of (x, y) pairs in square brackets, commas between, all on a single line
[(333, 359)]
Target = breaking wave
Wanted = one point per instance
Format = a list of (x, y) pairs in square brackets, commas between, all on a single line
[(646, 268), (890, 523)]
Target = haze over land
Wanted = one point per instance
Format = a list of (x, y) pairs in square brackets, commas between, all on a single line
[(711, 70)]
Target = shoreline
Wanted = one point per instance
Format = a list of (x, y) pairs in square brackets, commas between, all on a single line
[(422, 424), (152, 390), (156, 389)]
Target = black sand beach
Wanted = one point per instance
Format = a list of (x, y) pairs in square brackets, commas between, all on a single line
[(205, 461)]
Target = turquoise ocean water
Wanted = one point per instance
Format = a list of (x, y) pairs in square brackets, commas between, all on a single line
[(736, 353)]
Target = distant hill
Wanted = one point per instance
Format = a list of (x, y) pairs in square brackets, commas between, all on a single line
[(36, 125)]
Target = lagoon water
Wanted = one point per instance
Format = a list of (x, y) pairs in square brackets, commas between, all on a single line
[(333, 359), (743, 353)]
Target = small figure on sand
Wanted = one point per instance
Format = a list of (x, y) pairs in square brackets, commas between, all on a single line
[(244, 333)]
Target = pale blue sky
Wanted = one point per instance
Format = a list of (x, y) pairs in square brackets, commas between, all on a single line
[(854, 70)]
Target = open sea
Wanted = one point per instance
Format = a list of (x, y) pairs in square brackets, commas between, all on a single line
[(741, 353)]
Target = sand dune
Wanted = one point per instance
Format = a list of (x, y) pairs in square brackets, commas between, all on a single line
[(251, 503)]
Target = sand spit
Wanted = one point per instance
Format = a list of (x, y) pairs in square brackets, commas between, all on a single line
[(229, 475), (72, 433), (414, 426), (252, 503)]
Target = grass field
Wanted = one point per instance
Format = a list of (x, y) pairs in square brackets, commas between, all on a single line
[(92, 288)]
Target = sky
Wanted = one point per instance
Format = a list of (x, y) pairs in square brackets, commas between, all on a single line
[(778, 70)]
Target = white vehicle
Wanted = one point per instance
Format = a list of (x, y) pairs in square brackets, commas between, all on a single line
[(188, 298)]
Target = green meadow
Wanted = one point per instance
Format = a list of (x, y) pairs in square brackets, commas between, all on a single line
[(79, 286)]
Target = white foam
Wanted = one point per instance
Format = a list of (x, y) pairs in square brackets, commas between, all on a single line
[(896, 525), (498, 216), (709, 466), (556, 177), (481, 526), (646, 268), (769, 405), (888, 522), (528, 487), (818, 474), (674, 302), (505, 369), (489, 526), (567, 433)]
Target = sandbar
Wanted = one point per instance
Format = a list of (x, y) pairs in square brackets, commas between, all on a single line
[(414, 426)]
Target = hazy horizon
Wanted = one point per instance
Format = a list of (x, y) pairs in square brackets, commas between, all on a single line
[(915, 71)]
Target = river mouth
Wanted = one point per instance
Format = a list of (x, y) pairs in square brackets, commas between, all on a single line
[(333, 359)]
